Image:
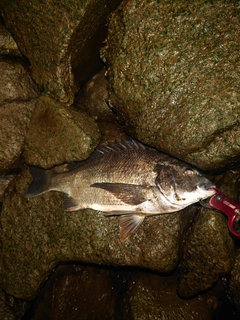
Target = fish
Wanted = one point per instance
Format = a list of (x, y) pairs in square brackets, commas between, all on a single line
[(126, 179)]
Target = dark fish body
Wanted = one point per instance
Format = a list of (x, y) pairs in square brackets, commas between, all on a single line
[(126, 179)]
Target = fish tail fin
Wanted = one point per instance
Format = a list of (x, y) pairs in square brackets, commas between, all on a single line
[(41, 182)]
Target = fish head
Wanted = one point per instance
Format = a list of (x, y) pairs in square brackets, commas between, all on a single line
[(181, 184)]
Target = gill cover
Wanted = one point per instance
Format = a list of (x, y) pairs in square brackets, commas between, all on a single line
[(165, 180)]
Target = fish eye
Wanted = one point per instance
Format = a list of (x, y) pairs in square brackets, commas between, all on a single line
[(189, 172)]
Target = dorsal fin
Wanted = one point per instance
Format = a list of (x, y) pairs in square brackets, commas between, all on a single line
[(119, 146)]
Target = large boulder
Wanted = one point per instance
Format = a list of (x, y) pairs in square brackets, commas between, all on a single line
[(174, 75), (61, 39), (11, 308), (18, 96), (94, 292), (209, 249), (58, 134), (7, 44), (76, 291), (233, 283), (151, 296), (93, 99)]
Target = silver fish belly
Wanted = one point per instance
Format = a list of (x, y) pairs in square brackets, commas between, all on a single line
[(126, 179)]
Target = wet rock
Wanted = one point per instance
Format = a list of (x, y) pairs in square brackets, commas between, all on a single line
[(60, 39), (58, 134), (208, 254), (4, 182), (94, 96), (209, 251), (174, 74), (151, 296), (11, 308), (93, 291), (7, 44), (18, 95), (233, 284), (94, 100), (16, 83), (14, 121), (37, 234), (78, 292)]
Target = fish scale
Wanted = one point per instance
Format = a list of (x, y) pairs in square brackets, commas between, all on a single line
[(126, 179)]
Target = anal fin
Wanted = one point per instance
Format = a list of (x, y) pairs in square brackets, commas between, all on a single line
[(69, 203), (129, 224)]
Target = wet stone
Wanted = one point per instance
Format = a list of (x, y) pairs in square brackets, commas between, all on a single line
[(93, 99), (209, 250), (208, 254), (173, 83), (11, 308), (14, 121), (7, 44), (18, 95), (174, 75), (37, 235), (61, 40), (16, 83), (4, 182), (233, 283), (155, 296), (78, 292), (58, 134)]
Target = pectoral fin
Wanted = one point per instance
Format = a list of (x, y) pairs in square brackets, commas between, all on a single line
[(129, 224), (131, 194)]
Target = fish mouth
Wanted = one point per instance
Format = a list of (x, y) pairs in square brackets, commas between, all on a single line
[(211, 188), (207, 186)]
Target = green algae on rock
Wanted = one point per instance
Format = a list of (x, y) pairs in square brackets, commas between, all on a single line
[(174, 74)]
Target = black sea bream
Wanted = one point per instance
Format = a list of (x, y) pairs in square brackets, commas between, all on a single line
[(126, 179)]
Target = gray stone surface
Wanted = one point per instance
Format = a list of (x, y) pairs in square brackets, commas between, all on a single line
[(174, 75)]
